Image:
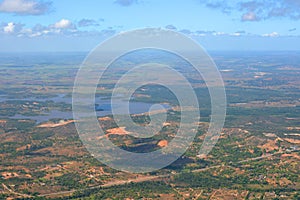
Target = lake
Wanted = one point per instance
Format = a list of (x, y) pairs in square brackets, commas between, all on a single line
[(103, 107)]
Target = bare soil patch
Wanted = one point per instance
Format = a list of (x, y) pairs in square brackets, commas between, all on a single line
[(53, 125), (117, 131), (162, 143)]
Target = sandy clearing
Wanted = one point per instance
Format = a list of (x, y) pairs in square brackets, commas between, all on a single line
[(270, 135), (293, 128), (294, 155), (8, 175), (104, 118), (22, 148), (293, 141), (53, 125), (117, 131), (270, 145)]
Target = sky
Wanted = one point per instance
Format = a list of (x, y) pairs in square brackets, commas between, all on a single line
[(68, 25)]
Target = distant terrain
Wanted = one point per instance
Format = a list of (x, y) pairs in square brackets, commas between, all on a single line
[(257, 155)]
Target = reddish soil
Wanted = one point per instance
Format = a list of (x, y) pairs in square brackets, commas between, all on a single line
[(117, 131), (162, 143)]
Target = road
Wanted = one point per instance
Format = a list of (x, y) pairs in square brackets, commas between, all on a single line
[(15, 193)]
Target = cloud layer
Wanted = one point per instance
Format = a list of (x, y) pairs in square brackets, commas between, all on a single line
[(66, 27), (63, 27), (25, 7), (126, 2), (89, 22), (265, 9), (257, 10)]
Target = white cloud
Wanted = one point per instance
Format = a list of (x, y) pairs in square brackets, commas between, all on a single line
[(250, 16), (235, 34), (35, 34), (64, 24), (273, 34), (219, 33), (62, 27), (24, 7), (9, 28)]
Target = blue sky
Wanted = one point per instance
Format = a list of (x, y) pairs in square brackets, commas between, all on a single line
[(66, 25)]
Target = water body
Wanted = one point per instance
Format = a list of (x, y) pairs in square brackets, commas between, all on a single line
[(59, 98), (103, 108)]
